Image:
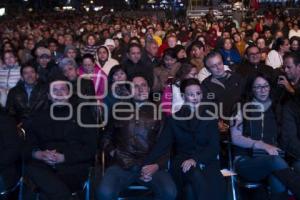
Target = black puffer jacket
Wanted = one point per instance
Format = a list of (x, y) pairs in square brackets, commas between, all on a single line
[(20, 107), (76, 143), (139, 68)]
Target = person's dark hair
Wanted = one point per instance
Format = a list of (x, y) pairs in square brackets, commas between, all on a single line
[(5, 52), (90, 35), (131, 45), (188, 82), (8, 43), (170, 52), (295, 56), (28, 64), (116, 38), (267, 29), (104, 30), (260, 37), (210, 55), (58, 77), (225, 31), (112, 72), (138, 74), (103, 47), (134, 39), (295, 38), (232, 43), (197, 43), (249, 95), (184, 70), (278, 42), (234, 35), (88, 56), (52, 40), (178, 48), (249, 47)]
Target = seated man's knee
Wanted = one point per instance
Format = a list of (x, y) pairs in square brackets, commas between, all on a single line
[(277, 163), (169, 191), (104, 192)]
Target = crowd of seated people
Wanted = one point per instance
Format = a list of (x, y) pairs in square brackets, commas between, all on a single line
[(156, 97)]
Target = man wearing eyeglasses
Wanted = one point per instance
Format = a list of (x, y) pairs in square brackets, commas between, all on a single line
[(252, 64)]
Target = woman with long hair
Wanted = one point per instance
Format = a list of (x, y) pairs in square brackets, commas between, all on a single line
[(254, 132), (196, 53), (295, 44), (117, 86), (164, 73), (280, 47)]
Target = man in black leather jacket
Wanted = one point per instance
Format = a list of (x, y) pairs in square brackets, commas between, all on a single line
[(129, 138)]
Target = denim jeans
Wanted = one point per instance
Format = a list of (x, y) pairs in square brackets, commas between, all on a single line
[(117, 179), (259, 168), (296, 166)]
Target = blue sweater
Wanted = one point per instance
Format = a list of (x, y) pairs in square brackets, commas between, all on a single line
[(230, 57)]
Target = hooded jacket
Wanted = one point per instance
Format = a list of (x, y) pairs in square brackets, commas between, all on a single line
[(108, 64)]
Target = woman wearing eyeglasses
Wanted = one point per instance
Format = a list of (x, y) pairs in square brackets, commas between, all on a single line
[(254, 135)]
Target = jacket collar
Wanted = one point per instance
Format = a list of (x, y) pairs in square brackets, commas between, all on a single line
[(216, 81)]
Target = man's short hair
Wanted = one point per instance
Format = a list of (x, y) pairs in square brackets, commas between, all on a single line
[(295, 56), (60, 78), (131, 45), (210, 55), (26, 65), (139, 75), (249, 47), (188, 82), (67, 61), (89, 56)]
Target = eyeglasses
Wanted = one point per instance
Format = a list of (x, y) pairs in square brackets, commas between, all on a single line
[(254, 54), (261, 87), (44, 57)]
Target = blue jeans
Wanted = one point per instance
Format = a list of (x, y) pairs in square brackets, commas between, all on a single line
[(117, 179), (259, 168), (296, 166)]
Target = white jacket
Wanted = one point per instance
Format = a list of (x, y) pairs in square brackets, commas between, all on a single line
[(108, 64), (274, 59)]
